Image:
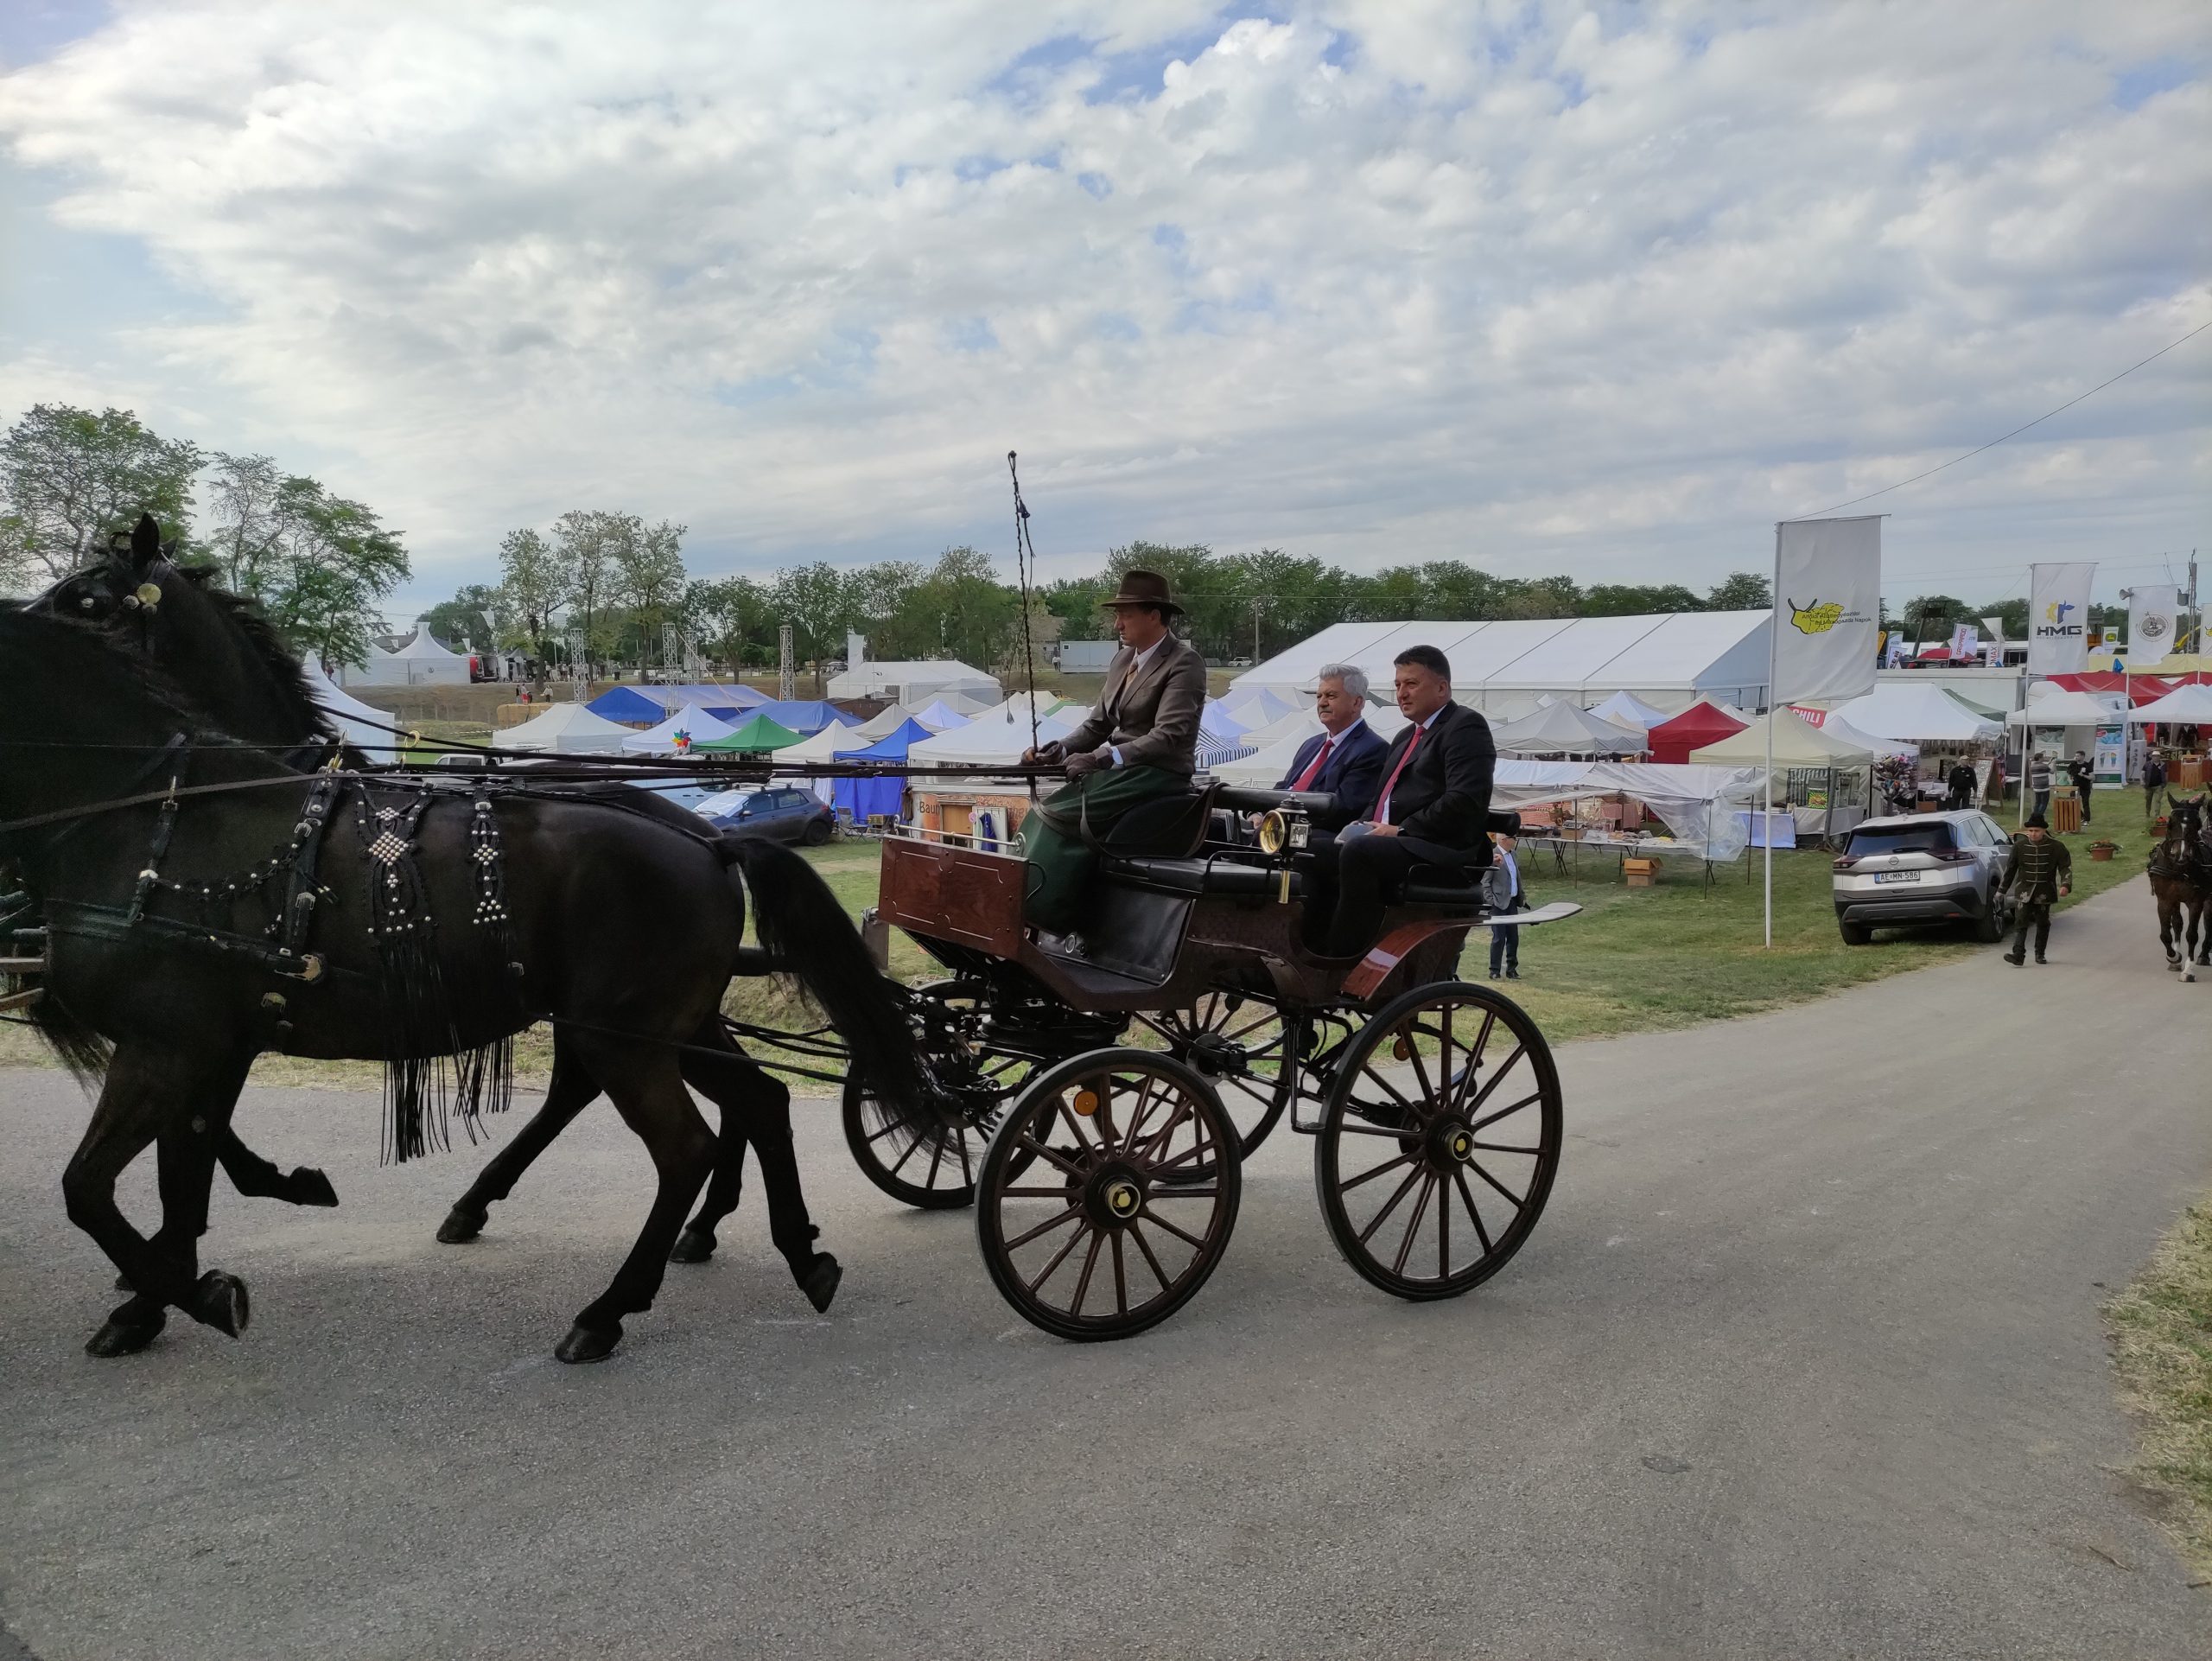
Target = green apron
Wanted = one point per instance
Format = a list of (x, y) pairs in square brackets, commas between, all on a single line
[(1059, 864)]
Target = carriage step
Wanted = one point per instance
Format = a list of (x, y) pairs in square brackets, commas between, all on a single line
[(23, 965), (23, 1000)]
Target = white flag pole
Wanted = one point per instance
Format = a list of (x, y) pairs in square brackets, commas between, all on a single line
[(1773, 710)]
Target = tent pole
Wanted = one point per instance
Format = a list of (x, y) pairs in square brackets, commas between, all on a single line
[(1773, 706)]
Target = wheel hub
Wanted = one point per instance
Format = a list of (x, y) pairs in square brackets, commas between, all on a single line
[(1451, 1142), (1114, 1195)]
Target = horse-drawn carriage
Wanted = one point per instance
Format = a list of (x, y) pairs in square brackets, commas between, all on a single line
[(1096, 1098), (1094, 1101)]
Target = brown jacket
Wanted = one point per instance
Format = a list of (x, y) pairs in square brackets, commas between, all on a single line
[(1152, 719)]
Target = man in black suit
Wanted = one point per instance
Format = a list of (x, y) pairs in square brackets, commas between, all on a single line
[(1345, 759), (1433, 809)]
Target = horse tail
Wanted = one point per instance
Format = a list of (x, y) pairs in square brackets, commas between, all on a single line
[(802, 926)]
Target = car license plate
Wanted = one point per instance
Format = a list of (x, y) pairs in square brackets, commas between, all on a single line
[(1897, 876)]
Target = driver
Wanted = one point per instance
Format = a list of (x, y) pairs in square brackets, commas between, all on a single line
[(1140, 741)]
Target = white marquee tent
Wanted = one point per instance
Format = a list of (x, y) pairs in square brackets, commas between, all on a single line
[(1668, 660), (569, 728), (418, 661), (915, 682), (1626, 710), (351, 716), (691, 721), (1919, 711), (1563, 729)]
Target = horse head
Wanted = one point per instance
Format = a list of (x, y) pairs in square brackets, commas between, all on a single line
[(217, 646)]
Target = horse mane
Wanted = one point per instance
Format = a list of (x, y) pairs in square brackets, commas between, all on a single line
[(246, 615)]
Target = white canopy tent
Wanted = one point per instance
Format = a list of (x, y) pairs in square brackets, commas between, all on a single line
[(1626, 710), (694, 723), (1564, 729), (1919, 711), (1666, 660), (1797, 743), (567, 729), (915, 682), (2062, 707), (984, 740), (417, 661), (938, 716), (2189, 705), (350, 715)]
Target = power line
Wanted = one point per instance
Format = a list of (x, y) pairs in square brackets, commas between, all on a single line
[(2016, 431)]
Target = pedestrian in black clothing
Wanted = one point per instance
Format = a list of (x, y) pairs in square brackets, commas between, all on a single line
[(2083, 776), (2039, 872), (1961, 780), (2154, 780)]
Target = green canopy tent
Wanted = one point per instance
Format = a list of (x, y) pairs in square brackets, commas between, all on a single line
[(756, 737)]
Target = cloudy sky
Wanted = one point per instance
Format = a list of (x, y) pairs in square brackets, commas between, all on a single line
[(1543, 286)]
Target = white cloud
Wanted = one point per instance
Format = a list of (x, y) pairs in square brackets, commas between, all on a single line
[(1554, 290)]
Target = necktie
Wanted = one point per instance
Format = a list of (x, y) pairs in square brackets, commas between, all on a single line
[(1305, 779), (1382, 802)]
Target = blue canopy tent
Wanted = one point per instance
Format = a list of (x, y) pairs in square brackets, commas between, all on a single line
[(863, 797), (628, 705), (807, 716)]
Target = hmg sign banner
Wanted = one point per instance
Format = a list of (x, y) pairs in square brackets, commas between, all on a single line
[(2059, 618)]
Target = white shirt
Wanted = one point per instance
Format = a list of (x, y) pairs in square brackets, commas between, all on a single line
[(1136, 668), (1382, 815)]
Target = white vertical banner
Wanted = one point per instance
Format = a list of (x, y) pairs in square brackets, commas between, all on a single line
[(1827, 599), (1966, 642), (2059, 618), (2152, 617)]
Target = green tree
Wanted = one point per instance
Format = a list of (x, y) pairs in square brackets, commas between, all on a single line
[(68, 478), (532, 587), (648, 575), (1741, 591), (1929, 616), (733, 618), (583, 547), (334, 560), (476, 615), (820, 602)]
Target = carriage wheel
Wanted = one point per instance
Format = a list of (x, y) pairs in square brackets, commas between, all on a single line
[(1242, 1048), (933, 1166), (1439, 1140), (1096, 1238)]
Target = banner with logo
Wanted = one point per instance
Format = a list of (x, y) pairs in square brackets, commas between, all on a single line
[(2151, 618), (1827, 599), (2059, 618), (1966, 642)]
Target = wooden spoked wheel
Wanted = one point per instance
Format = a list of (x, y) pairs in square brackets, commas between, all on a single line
[(1242, 1048), (1439, 1140), (933, 1166), (1085, 1227)]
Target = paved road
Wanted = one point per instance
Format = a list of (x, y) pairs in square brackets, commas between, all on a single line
[(1803, 1360)]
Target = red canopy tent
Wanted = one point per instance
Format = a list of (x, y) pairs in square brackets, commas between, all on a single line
[(1699, 725)]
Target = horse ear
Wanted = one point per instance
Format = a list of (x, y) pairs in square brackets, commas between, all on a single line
[(145, 542), (2170, 803)]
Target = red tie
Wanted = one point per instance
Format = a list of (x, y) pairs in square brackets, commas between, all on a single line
[(1305, 779), (1382, 802)]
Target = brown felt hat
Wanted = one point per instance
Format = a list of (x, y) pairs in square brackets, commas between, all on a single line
[(1143, 588)]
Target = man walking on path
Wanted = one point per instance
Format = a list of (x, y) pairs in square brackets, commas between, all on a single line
[(2154, 780), (2039, 785), (2083, 776), (1961, 782), (1502, 891), (2040, 872)]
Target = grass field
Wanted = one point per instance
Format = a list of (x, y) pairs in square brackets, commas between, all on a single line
[(2161, 1329)]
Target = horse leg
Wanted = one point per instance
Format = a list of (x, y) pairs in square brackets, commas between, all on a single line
[(733, 1085), (570, 1089), (138, 1104), (2168, 925), (647, 1086), (257, 1179)]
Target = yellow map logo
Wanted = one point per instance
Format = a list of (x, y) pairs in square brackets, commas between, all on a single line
[(1815, 619)]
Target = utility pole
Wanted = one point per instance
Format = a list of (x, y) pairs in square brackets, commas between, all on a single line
[(1255, 628), (787, 682)]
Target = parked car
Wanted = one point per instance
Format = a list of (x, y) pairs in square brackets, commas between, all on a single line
[(1922, 870), (782, 816)]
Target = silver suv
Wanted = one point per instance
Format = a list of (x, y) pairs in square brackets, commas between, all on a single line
[(1920, 869)]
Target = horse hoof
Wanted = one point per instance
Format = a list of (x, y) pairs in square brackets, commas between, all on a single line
[(694, 1245), (125, 1332), (587, 1344), (820, 1282), (309, 1187), (220, 1302), (461, 1226)]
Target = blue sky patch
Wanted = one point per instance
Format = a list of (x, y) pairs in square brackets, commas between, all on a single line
[(2132, 88)]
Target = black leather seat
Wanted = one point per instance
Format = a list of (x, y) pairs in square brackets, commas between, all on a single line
[(1170, 826)]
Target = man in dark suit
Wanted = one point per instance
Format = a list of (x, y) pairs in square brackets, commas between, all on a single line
[(1433, 809), (1345, 759)]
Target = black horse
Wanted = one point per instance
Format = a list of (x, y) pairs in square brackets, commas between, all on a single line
[(2180, 883), (226, 658), (170, 860)]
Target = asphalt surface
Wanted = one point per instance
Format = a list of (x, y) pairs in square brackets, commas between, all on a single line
[(1803, 1360)]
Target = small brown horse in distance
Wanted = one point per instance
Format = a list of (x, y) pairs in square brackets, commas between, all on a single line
[(2181, 882)]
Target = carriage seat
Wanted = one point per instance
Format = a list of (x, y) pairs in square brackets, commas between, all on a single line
[(1197, 877), (1457, 886), (1173, 826)]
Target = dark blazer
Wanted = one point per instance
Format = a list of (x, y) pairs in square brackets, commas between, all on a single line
[(1443, 796), (1152, 717), (1353, 775)]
